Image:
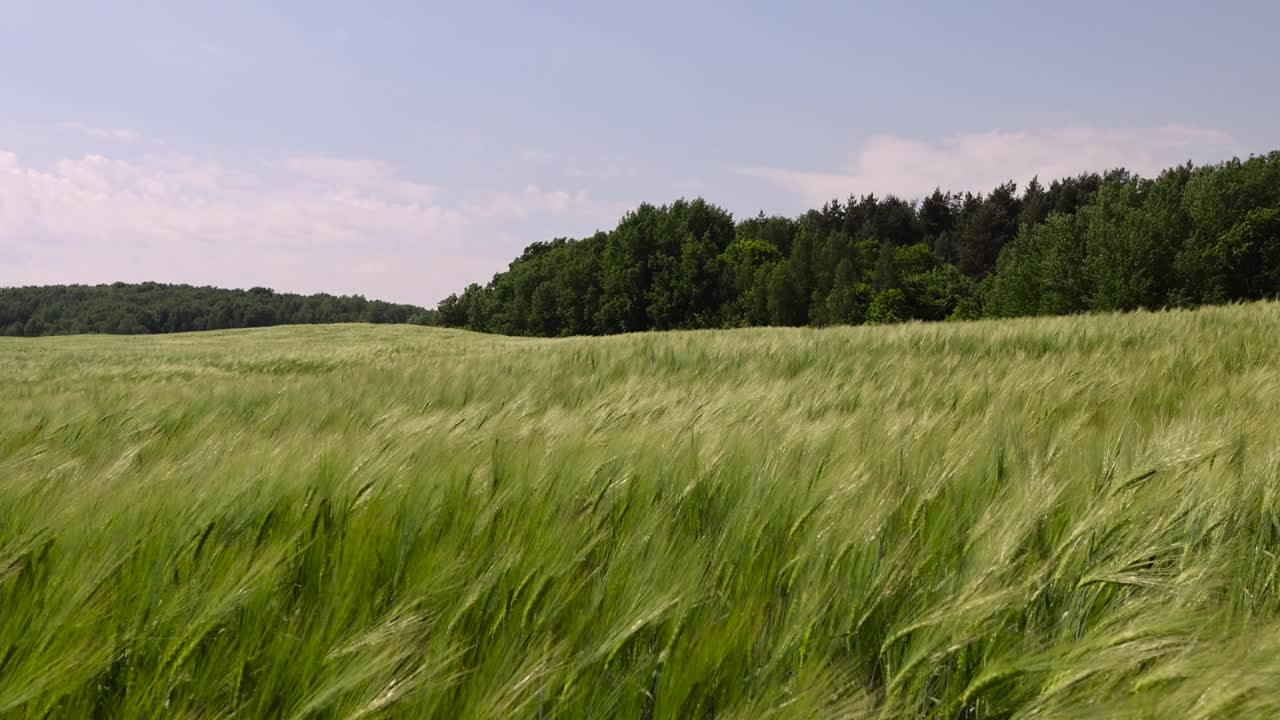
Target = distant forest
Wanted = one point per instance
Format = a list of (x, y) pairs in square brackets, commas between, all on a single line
[(131, 309), (1095, 242)]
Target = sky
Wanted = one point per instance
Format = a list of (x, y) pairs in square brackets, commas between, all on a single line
[(403, 149)]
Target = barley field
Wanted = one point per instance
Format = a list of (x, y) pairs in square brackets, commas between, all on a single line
[(1051, 518)]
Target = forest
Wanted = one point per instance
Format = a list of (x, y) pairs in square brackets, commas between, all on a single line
[(1108, 241), (146, 308)]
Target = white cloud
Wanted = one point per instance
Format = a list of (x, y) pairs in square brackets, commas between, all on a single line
[(537, 156), (344, 170), (412, 192), (888, 164), (373, 176), (532, 200), (305, 224), (119, 135)]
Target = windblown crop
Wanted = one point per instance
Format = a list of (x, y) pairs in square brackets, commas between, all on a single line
[(1069, 517)]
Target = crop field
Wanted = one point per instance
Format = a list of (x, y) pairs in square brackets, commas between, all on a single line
[(1052, 518)]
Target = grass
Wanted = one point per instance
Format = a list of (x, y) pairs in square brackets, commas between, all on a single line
[(1069, 517)]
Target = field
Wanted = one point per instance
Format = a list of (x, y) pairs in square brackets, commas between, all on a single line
[(1069, 517)]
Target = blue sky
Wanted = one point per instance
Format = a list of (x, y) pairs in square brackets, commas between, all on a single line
[(404, 149)]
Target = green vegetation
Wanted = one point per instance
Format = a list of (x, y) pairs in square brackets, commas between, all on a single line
[(1058, 517), (139, 309), (1192, 236)]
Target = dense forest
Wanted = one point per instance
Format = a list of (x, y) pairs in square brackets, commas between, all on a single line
[(1095, 242), (155, 308)]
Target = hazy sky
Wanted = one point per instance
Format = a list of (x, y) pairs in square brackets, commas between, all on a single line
[(404, 149)]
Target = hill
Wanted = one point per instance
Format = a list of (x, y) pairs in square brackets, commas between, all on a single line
[(143, 308), (1066, 517)]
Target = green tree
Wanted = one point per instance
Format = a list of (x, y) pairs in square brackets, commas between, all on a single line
[(938, 213), (888, 306), (985, 228), (849, 298), (1121, 249), (1035, 204), (787, 304), (1217, 199), (544, 319), (452, 312), (1041, 272), (936, 293), (1244, 264), (886, 273)]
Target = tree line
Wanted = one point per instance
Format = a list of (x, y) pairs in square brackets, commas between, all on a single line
[(133, 309), (1094, 242)]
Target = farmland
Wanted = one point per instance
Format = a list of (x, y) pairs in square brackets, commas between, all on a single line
[(1060, 517)]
